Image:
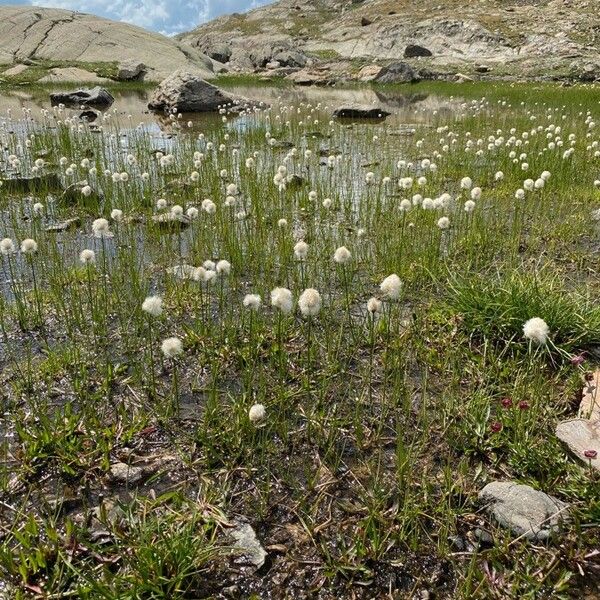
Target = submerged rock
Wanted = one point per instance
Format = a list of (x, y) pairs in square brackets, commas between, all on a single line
[(67, 225), (170, 222), (96, 96), (77, 193), (188, 92), (32, 183), (360, 111), (525, 511)]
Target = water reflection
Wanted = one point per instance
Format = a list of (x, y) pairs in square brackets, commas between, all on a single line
[(130, 106)]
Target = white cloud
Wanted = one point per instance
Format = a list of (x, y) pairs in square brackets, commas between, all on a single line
[(167, 16)]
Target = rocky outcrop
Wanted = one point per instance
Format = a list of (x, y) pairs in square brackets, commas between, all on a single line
[(186, 91), (29, 34), (522, 38)]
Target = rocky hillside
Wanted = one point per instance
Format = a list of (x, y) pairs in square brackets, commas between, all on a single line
[(50, 45), (480, 38)]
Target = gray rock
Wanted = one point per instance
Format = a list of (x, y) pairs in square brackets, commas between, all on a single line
[(248, 544), (32, 184), (131, 70), (414, 51), (360, 111), (96, 96), (525, 511), (582, 436), (290, 58), (220, 52), (67, 225), (398, 72), (187, 92), (128, 474), (170, 222)]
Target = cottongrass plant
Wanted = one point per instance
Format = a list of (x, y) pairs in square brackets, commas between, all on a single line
[(420, 264)]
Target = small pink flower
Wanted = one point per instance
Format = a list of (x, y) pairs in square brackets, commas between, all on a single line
[(496, 427), (577, 360), (506, 402), (590, 454), (523, 405)]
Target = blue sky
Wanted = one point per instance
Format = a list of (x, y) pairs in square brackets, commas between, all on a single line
[(166, 16)]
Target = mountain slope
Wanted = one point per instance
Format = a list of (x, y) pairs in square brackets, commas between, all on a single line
[(29, 34), (525, 37)]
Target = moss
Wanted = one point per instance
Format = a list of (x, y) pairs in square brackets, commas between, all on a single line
[(39, 69)]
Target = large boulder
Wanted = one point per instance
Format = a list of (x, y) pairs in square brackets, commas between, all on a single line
[(220, 52), (398, 72), (290, 58), (96, 96), (188, 92), (131, 70)]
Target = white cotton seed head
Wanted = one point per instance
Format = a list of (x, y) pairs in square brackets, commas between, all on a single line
[(152, 305), (257, 413), (443, 222), (342, 255), (116, 214), (374, 305), (7, 246), (281, 298), (223, 267), (29, 246), (100, 228), (310, 302), (252, 301), (87, 257), (301, 250), (171, 347), (466, 183), (469, 206), (536, 330), (391, 286)]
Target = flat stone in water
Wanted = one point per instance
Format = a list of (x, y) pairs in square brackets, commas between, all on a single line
[(169, 222), (32, 183), (582, 437), (525, 511), (360, 111), (67, 225)]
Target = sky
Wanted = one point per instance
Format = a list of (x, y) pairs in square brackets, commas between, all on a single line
[(165, 16)]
